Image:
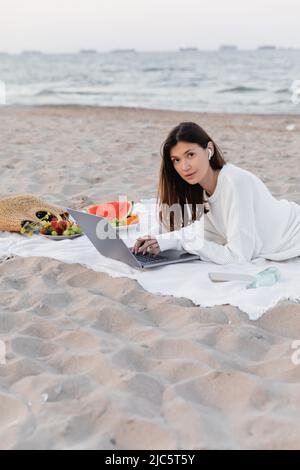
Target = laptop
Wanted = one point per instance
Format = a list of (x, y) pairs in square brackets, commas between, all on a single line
[(111, 246)]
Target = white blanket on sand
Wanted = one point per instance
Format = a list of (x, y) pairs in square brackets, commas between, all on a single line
[(189, 280)]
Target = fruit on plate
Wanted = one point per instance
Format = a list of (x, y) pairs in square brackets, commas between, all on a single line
[(119, 213), (132, 219), (28, 227), (64, 228), (112, 210), (124, 221)]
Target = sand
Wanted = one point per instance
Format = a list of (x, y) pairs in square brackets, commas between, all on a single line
[(94, 362)]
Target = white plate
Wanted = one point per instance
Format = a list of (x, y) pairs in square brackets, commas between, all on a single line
[(124, 227), (62, 237)]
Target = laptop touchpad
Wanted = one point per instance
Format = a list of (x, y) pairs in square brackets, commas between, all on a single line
[(175, 254)]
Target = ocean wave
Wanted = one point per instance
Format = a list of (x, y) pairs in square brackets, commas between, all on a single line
[(152, 69), (283, 90), (240, 89), (68, 92)]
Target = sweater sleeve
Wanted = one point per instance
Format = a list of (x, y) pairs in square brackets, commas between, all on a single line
[(238, 212)]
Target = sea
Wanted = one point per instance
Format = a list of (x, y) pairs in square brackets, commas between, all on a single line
[(263, 81)]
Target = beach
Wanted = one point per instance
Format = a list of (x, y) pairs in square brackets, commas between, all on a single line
[(95, 362)]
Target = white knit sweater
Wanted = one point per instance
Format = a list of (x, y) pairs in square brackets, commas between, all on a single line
[(245, 221)]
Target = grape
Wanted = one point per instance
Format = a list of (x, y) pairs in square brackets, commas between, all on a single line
[(41, 214)]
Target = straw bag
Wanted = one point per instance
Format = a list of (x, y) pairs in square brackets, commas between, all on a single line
[(15, 211)]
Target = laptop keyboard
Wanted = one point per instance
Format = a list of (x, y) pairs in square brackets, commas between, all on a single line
[(149, 258)]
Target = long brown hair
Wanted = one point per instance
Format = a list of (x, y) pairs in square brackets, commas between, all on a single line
[(172, 189)]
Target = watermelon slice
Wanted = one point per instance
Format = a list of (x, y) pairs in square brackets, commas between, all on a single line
[(113, 209)]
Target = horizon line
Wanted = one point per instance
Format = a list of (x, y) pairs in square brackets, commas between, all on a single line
[(222, 47)]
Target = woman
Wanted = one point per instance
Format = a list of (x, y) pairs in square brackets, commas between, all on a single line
[(242, 220)]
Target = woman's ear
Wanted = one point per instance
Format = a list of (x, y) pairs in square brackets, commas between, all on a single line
[(210, 146)]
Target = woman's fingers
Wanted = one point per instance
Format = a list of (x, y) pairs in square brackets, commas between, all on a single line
[(137, 244), (140, 241), (154, 249), (146, 244)]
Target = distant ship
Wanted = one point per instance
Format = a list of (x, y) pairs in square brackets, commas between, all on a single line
[(228, 47), (267, 47), (123, 50), (188, 49), (31, 52), (88, 51)]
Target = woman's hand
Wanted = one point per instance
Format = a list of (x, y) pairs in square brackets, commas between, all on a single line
[(146, 244)]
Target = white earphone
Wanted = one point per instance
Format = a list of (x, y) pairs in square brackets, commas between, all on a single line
[(209, 154)]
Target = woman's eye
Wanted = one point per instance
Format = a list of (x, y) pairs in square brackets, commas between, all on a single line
[(191, 154)]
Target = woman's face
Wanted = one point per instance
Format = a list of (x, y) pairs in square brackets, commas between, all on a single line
[(191, 159)]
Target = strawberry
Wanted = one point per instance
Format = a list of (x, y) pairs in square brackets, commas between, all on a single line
[(54, 224), (63, 224), (55, 227)]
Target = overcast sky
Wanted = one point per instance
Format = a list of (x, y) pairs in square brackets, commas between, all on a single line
[(70, 25)]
